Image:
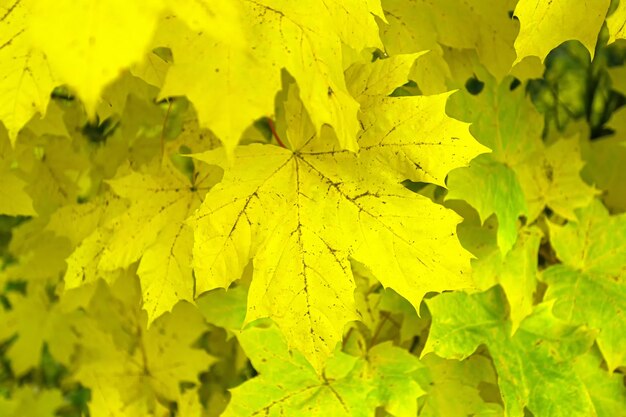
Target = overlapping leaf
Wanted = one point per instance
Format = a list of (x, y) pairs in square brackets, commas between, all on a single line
[(461, 380), (576, 19), (522, 175), (542, 346), (305, 38), (128, 366), (349, 386), (516, 272), (592, 274), (27, 401), (14, 200), (616, 23), (36, 321), (25, 77), (163, 243), (607, 390), (483, 26)]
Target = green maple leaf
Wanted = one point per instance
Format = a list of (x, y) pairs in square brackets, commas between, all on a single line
[(349, 386), (305, 38), (393, 373), (589, 286), (522, 175), (516, 271), (580, 20), (224, 308), (302, 213), (607, 390), (460, 380), (534, 366)]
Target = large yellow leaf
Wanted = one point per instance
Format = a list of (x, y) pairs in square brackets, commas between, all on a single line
[(302, 212), (89, 42), (25, 78), (545, 24), (617, 23)]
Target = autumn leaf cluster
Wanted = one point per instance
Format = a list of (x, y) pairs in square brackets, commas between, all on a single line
[(312, 208)]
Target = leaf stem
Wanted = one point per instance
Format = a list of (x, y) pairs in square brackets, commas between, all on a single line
[(270, 122), (167, 115)]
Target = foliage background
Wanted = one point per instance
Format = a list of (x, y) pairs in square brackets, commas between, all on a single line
[(109, 307)]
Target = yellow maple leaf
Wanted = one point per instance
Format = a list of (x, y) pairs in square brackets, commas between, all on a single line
[(90, 42), (301, 213), (37, 321), (545, 24), (25, 77), (616, 23)]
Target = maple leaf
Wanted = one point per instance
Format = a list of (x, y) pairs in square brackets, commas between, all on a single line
[(516, 271), (25, 78), (224, 308), (607, 390), (128, 366), (40, 254), (461, 380), (302, 213), (542, 345), (616, 23), (554, 180), (522, 175), (604, 160), (36, 321), (163, 244), (393, 374), (31, 402), (576, 19), (483, 26), (592, 251), (350, 386), (82, 41), (305, 38), (14, 200)]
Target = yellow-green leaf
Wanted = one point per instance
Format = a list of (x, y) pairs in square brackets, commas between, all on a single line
[(616, 23), (302, 213), (592, 252), (542, 346), (25, 77), (545, 24)]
